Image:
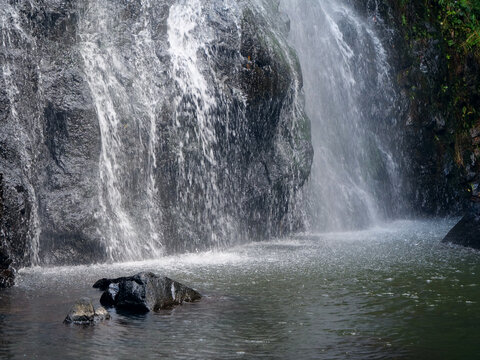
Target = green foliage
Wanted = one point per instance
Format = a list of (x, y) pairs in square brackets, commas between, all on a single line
[(459, 20), (452, 27)]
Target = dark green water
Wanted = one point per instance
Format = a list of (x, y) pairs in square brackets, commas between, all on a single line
[(387, 293)]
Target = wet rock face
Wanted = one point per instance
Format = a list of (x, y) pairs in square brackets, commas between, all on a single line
[(275, 156), (52, 189), (440, 159), (83, 313), (49, 142), (262, 144), (144, 292)]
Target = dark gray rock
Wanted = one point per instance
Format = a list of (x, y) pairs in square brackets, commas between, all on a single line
[(466, 232), (83, 313), (49, 143), (102, 284), (145, 292), (7, 274), (7, 278), (50, 138)]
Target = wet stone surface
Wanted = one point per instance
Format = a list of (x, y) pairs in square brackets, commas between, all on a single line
[(144, 292), (84, 313)]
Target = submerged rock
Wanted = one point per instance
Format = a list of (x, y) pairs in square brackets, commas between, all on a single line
[(83, 313), (144, 292), (467, 231)]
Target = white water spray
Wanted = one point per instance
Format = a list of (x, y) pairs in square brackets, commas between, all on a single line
[(125, 95), (348, 96)]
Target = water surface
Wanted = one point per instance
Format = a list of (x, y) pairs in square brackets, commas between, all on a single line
[(393, 292)]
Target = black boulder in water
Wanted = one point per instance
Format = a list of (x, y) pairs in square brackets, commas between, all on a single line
[(467, 231), (144, 292)]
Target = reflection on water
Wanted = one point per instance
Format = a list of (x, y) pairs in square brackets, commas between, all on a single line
[(393, 292)]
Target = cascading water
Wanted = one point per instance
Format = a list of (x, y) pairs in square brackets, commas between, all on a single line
[(350, 101), (125, 89), (180, 98), (188, 34), (177, 125), (201, 119), (197, 104)]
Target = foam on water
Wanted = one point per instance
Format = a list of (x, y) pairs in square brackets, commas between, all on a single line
[(170, 263), (256, 252)]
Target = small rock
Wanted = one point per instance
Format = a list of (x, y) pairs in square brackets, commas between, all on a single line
[(145, 292), (101, 314), (83, 313)]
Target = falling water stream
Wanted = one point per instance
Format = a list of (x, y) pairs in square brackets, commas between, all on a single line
[(126, 94), (349, 99)]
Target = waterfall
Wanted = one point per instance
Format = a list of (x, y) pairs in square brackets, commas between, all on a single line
[(121, 70), (148, 68), (196, 106), (350, 101), (180, 113), (183, 125)]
